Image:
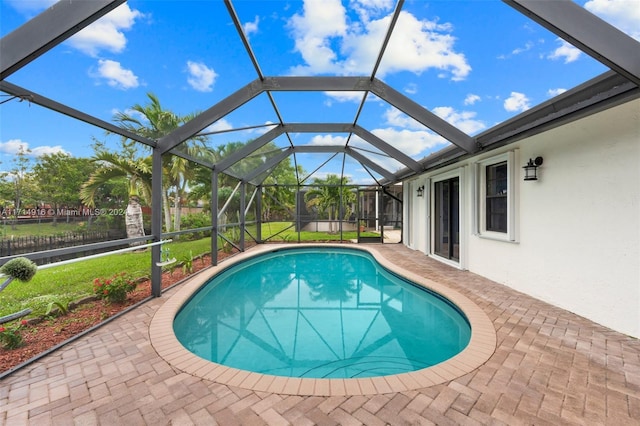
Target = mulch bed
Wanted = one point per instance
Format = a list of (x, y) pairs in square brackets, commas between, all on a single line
[(47, 333), (41, 335)]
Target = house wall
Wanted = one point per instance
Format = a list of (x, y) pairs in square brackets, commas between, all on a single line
[(577, 227)]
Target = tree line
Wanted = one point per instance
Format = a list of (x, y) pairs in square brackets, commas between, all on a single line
[(118, 178)]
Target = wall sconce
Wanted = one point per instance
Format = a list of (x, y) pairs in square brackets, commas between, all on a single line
[(531, 168), (420, 190)]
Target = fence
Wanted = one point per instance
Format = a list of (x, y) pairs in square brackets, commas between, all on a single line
[(32, 243)]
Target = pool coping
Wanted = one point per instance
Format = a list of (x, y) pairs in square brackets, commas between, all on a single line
[(480, 348)]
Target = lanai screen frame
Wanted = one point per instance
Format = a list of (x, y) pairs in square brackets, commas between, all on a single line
[(566, 19)]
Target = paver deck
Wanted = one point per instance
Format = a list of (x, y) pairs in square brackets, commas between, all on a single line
[(550, 367)]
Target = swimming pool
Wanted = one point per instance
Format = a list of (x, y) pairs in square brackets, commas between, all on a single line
[(319, 312), (481, 346)]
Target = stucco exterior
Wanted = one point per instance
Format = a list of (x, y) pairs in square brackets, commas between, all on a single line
[(574, 234)]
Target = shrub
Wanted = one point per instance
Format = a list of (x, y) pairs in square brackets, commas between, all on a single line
[(20, 268), (196, 220), (11, 336), (114, 289), (187, 263)]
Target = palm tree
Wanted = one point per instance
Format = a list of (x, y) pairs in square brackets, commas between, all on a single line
[(135, 172), (329, 194), (153, 122)]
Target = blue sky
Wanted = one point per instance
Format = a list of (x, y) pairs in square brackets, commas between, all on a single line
[(473, 63)]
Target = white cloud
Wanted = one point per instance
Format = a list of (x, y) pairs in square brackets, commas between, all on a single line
[(321, 20), (328, 44), (368, 8), (463, 120), (471, 99), (411, 88), (115, 75), (528, 46), (328, 140), (555, 92), (201, 77), (13, 146), (517, 102), (107, 32), (47, 150), (397, 118), (344, 96), (566, 51), (410, 142), (219, 126), (251, 27), (415, 46), (622, 14)]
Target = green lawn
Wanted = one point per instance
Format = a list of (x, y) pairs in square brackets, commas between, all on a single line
[(291, 235), (29, 229), (67, 283)]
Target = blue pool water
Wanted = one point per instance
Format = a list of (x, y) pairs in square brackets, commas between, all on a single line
[(319, 313)]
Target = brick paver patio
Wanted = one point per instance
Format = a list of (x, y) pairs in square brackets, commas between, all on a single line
[(550, 367)]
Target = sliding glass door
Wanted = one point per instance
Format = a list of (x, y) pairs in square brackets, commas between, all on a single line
[(447, 218)]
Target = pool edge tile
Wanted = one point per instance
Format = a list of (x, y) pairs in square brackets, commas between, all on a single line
[(481, 346)]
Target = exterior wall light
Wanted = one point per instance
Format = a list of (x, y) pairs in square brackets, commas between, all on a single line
[(531, 168), (420, 190)]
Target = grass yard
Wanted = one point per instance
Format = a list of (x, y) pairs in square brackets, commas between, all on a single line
[(48, 228), (68, 283), (289, 234)]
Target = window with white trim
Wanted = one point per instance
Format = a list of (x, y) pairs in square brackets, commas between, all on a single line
[(496, 200)]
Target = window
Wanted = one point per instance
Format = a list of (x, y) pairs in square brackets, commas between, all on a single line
[(496, 197)]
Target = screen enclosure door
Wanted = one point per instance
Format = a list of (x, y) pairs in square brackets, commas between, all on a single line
[(368, 220)]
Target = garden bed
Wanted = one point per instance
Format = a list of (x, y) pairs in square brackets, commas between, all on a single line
[(41, 335)]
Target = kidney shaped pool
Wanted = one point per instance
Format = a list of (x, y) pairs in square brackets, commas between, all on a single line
[(319, 313)]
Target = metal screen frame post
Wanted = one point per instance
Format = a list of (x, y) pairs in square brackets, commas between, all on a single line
[(298, 201), (156, 222), (214, 218), (243, 216), (259, 214)]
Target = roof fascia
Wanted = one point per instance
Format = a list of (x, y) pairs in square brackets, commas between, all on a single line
[(602, 92), (598, 94), (47, 30), (37, 99), (423, 116), (587, 32)]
